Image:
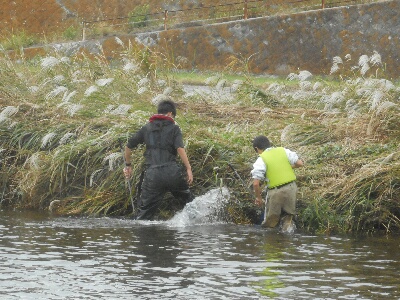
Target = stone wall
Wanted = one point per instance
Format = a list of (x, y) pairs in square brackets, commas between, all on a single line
[(284, 44), (54, 16), (274, 45)]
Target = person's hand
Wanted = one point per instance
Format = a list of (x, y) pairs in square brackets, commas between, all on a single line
[(189, 176), (258, 201), (128, 172)]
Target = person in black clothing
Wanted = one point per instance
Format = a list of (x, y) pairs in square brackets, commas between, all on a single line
[(163, 140)]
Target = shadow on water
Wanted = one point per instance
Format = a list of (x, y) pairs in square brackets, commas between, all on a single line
[(192, 256)]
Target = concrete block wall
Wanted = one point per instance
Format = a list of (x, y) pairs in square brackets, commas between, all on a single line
[(275, 45), (283, 44)]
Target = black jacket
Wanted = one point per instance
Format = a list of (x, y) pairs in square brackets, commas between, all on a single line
[(162, 137)]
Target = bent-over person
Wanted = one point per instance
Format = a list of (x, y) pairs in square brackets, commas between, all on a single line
[(276, 166)]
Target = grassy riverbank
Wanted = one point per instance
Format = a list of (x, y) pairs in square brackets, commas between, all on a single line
[(62, 120)]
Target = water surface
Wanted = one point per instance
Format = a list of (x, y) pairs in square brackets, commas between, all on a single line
[(49, 257)]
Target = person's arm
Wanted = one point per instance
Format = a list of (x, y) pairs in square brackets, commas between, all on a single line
[(258, 175), (128, 163), (133, 142), (257, 191), (299, 163), (128, 153), (294, 159), (185, 160)]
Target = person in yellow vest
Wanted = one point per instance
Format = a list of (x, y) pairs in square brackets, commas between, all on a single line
[(275, 166)]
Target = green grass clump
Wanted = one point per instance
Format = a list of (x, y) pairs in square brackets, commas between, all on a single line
[(18, 40)]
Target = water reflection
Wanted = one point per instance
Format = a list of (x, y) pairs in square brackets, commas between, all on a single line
[(158, 246), (43, 257)]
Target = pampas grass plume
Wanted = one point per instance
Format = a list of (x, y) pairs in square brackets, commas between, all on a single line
[(47, 139), (49, 62), (104, 82), (305, 75), (90, 90), (112, 159), (55, 92)]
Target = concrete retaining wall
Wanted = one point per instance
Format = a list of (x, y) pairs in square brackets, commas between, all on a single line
[(274, 45), (284, 44)]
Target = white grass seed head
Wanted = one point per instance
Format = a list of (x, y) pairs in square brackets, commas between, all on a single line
[(112, 160), (305, 75), (46, 140), (49, 62), (67, 138), (72, 109), (90, 90), (9, 111), (104, 82), (58, 90), (68, 96)]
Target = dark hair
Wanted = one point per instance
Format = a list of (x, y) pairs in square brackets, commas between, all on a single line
[(261, 142), (166, 106)]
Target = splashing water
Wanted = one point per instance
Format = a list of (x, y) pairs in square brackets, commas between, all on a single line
[(287, 226), (204, 209)]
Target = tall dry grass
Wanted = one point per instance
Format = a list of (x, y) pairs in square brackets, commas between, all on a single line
[(62, 119)]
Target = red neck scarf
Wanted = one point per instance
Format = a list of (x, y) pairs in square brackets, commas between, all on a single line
[(161, 117)]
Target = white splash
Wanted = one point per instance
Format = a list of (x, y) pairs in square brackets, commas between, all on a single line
[(288, 228), (204, 209)]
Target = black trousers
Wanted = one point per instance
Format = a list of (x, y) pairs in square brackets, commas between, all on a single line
[(157, 181)]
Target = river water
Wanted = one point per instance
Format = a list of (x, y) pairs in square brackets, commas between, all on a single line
[(43, 256)]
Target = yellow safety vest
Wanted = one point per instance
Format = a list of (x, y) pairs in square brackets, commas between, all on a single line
[(279, 170)]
